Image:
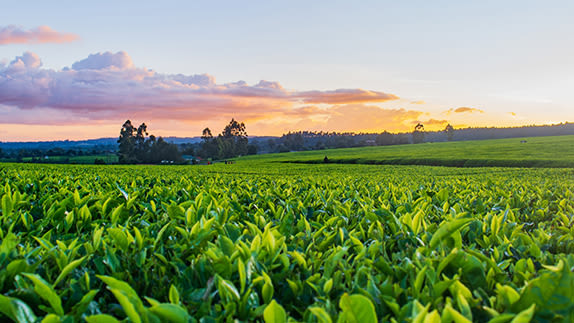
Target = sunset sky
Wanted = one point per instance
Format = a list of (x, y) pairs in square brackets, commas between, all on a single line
[(78, 70)]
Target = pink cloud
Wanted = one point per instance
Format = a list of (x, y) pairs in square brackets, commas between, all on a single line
[(107, 87), (16, 35)]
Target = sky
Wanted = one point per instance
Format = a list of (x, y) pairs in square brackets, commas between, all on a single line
[(78, 70)]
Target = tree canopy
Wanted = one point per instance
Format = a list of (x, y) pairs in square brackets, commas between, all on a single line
[(135, 147), (232, 142)]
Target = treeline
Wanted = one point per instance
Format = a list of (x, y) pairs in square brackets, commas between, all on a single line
[(311, 140), (317, 140), (52, 152)]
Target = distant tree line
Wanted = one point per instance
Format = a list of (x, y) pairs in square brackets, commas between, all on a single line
[(316, 140), (44, 155), (135, 146)]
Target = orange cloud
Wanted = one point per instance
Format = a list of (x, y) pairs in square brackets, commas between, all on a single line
[(307, 111), (345, 96), (369, 118), (16, 35), (418, 102), (431, 122), (466, 110), (512, 114)]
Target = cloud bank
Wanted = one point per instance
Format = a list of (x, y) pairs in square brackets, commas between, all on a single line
[(109, 87), (12, 34)]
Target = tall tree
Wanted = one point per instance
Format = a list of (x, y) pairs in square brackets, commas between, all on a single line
[(209, 146), (449, 130), (233, 140), (126, 141), (142, 145), (419, 133)]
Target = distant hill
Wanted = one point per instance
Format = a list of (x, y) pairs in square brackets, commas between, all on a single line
[(543, 151)]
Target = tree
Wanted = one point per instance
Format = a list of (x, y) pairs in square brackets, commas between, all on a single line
[(209, 146), (449, 130), (233, 140), (206, 134), (419, 133), (251, 149), (384, 139), (230, 143), (142, 146), (234, 130), (126, 149), (135, 148)]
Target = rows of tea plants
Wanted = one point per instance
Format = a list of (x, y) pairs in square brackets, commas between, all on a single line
[(277, 243)]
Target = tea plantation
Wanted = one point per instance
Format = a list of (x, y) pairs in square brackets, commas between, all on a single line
[(275, 242)]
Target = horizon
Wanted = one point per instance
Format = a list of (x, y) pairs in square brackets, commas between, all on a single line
[(323, 66), (297, 131)]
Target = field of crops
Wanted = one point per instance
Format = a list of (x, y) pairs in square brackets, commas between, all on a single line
[(275, 242), (555, 151)]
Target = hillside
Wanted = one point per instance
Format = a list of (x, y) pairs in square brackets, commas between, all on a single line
[(556, 151)]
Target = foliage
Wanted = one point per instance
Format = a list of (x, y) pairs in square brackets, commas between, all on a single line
[(419, 133), (252, 242), (232, 142), (449, 130), (134, 148)]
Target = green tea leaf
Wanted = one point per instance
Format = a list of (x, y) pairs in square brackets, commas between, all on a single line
[(68, 269), (356, 309), (170, 313), (321, 314), (101, 318), (446, 229), (274, 313), (173, 295), (46, 292)]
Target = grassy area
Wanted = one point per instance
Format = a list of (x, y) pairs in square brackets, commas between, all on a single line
[(88, 159), (557, 151)]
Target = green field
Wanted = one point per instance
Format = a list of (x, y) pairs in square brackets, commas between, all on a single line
[(260, 240), (89, 159), (557, 151)]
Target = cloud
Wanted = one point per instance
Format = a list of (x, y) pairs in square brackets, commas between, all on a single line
[(16, 35), (120, 60), (345, 96), (465, 110), (108, 87), (512, 114), (307, 111), (418, 102), (431, 122), (368, 118)]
